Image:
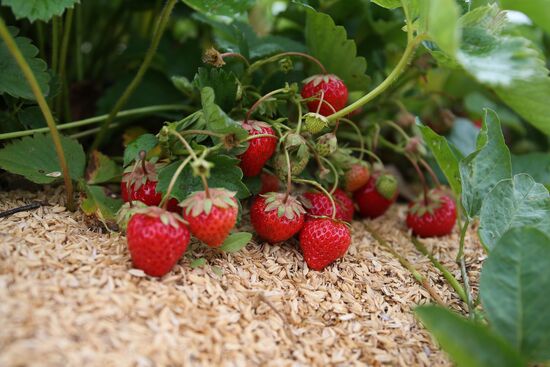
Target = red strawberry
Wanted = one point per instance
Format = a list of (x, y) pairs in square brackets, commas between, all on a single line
[(259, 150), (270, 183), (434, 219), (330, 89), (478, 123), (156, 239), (356, 176), (212, 217), (276, 217), (376, 196), (323, 240), (318, 204)]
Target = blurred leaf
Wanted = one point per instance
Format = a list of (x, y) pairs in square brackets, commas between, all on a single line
[(102, 169), (35, 158), (329, 43), (537, 10), (537, 165), (201, 261), (223, 83), (38, 9), (463, 136), (98, 204), (145, 142), (12, 80), (388, 4), (439, 18), (476, 102), (513, 203), (236, 241), (32, 117), (484, 168), (228, 8), (468, 344), (514, 291)]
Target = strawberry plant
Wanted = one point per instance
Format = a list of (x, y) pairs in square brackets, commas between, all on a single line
[(179, 119)]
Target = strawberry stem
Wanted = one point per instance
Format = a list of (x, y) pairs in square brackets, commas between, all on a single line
[(421, 178), (369, 153), (205, 185), (257, 136), (288, 175), (142, 157), (431, 172), (334, 172), (237, 55), (299, 126), (322, 189), (185, 144), (201, 132), (359, 134), (462, 264), (263, 98), (276, 57), (163, 204)]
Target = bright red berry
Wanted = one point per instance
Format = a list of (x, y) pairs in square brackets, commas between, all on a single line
[(356, 176), (330, 89), (376, 196), (318, 204), (156, 239), (324, 240), (435, 218), (276, 217), (211, 217), (259, 150), (270, 183)]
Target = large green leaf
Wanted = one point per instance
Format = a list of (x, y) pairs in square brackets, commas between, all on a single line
[(484, 168), (468, 344), (537, 165), (35, 158), (12, 80), (144, 142), (38, 9), (329, 43), (97, 203), (217, 120), (537, 10), (439, 19), (228, 8), (102, 169), (223, 83), (514, 291)]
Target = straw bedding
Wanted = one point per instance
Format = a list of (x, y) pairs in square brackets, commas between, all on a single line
[(69, 297)]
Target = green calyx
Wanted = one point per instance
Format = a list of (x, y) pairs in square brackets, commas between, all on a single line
[(201, 167), (386, 185), (287, 206), (141, 172), (200, 202), (128, 210), (422, 206)]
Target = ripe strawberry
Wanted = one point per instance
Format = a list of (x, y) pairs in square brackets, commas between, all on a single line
[(274, 219), (330, 88), (270, 183), (211, 218), (434, 219), (323, 240), (156, 239), (140, 184), (318, 204), (259, 150), (356, 176), (376, 196)]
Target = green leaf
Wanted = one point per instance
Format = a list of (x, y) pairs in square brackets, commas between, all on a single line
[(97, 203), (444, 156), (38, 9), (441, 26), (468, 344), (32, 117), (216, 120), (462, 137), (484, 168), (228, 8), (35, 158), (223, 83), (236, 241), (197, 263), (145, 142), (388, 4), (102, 169), (514, 291), (513, 203), (12, 80), (329, 43), (537, 165), (475, 103), (537, 10), (225, 173)]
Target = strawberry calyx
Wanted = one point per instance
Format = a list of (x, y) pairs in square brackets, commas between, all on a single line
[(255, 125), (129, 209), (326, 144), (315, 122), (318, 78), (141, 172), (287, 206), (200, 202), (420, 206), (386, 185)]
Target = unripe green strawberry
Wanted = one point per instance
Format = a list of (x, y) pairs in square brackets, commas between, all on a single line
[(386, 185), (326, 144), (314, 122), (299, 155)]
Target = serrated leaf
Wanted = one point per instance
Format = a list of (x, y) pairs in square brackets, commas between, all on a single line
[(197, 263), (97, 203), (236, 241), (223, 83), (513, 203), (439, 19), (35, 158), (388, 4), (484, 168), (329, 43), (225, 173), (39, 9), (537, 165), (145, 142), (12, 80), (514, 291), (102, 169), (467, 343), (228, 8)]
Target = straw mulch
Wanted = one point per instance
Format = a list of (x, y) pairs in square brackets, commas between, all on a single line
[(69, 297)]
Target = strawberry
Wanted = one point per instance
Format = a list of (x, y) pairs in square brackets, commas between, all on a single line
[(433, 217), (140, 184), (330, 89), (326, 144), (356, 176), (156, 239), (211, 216), (323, 240), (376, 196), (259, 150), (318, 204), (276, 217), (270, 183)]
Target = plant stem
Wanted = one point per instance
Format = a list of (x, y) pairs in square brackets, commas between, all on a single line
[(406, 264), (257, 136), (334, 172), (260, 63), (397, 128), (179, 170), (96, 119), (446, 273), (185, 144), (63, 60), (159, 31), (359, 135), (55, 43), (420, 177), (288, 175), (236, 55), (31, 79), (369, 153), (263, 98), (430, 171), (462, 264), (299, 126), (323, 190), (78, 43)]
